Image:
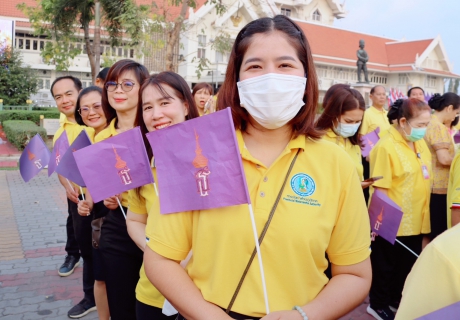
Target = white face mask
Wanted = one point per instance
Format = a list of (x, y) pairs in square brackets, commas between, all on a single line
[(347, 130), (272, 99)]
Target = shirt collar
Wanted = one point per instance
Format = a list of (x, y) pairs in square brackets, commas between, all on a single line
[(330, 133)]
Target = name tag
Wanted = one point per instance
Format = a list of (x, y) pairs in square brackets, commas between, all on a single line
[(425, 172)]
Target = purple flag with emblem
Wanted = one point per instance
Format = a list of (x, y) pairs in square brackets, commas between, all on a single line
[(369, 140), (115, 165), (199, 164), (67, 166), (34, 158), (60, 147), (451, 312), (385, 216)]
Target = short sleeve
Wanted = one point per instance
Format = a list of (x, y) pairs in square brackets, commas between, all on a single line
[(170, 235), (381, 165), (350, 239), (438, 137), (136, 202), (433, 283)]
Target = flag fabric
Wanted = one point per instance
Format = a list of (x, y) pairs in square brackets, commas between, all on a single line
[(67, 166), (34, 158), (385, 216), (451, 312), (60, 147), (115, 165), (369, 140), (199, 164)]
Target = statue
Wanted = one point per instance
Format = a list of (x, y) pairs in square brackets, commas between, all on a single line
[(362, 61)]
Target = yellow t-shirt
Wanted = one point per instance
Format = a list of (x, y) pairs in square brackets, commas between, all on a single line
[(106, 133), (402, 174), (434, 282), (438, 137), (453, 189), (374, 119), (62, 118), (354, 151), (322, 209), (72, 130), (143, 203)]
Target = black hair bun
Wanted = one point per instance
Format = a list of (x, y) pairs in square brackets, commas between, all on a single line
[(397, 104), (435, 102)]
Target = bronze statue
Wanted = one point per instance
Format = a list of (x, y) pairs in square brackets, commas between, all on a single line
[(362, 62)]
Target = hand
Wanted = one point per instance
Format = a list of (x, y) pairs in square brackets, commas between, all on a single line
[(283, 315), (71, 193), (112, 203), (366, 184), (85, 207)]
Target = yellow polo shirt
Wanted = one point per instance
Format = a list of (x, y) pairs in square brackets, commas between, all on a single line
[(437, 137), (354, 151), (434, 282), (106, 133), (373, 119), (72, 130), (143, 203), (453, 189), (321, 210), (402, 174)]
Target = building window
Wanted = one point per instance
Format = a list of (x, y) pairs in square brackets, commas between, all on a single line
[(286, 12), (201, 40), (47, 84), (322, 71), (219, 57), (40, 83), (379, 78), (403, 79), (316, 15), (201, 53), (430, 81)]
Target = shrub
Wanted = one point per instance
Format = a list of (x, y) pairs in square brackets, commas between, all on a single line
[(18, 132), (33, 116)]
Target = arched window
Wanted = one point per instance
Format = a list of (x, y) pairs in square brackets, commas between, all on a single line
[(316, 15)]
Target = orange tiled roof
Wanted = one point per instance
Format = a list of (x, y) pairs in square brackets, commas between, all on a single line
[(405, 52)]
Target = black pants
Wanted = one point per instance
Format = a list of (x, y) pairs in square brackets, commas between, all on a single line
[(82, 231), (122, 263), (71, 245), (438, 214), (390, 266), (366, 175), (146, 312)]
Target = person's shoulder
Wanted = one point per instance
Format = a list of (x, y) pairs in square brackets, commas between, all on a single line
[(327, 151), (447, 245), (102, 135)]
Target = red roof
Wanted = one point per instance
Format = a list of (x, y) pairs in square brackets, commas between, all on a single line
[(405, 52)]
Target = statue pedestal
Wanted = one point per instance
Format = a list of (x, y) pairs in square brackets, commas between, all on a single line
[(365, 89)]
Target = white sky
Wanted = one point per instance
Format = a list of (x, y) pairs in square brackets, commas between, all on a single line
[(409, 19)]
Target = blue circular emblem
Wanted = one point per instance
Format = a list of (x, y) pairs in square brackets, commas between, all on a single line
[(303, 185)]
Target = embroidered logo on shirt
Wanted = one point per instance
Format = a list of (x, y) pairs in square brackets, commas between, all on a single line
[(303, 185)]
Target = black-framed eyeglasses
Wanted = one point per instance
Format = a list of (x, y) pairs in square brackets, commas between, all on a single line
[(125, 85)]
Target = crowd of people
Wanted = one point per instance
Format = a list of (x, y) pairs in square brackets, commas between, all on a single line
[(319, 260)]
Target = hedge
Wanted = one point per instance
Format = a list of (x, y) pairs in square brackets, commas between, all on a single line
[(19, 131), (33, 116)]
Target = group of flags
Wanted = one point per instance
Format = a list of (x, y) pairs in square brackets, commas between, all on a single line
[(395, 94)]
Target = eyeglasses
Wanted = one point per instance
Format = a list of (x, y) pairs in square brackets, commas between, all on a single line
[(85, 110), (125, 85)]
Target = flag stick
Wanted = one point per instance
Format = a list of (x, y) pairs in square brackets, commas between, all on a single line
[(82, 194), (406, 247), (156, 190), (121, 207), (70, 185), (259, 257)]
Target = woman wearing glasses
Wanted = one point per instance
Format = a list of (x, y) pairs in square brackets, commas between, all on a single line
[(122, 258)]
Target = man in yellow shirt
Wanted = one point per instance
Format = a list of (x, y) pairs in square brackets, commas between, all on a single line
[(65, 92), (434, 282)]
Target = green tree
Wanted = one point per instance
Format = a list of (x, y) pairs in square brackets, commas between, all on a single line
[(455, 87), (62, 20), (17, 81)]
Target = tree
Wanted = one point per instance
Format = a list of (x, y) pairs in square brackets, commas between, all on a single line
[(17, 81), (62, 20), (455, 86)]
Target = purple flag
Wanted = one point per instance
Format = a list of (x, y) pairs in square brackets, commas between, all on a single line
[(199, 164), (451, 312), (60, 147), (385, 216), (34, 158), (457, 137), (115, 165), (67, 166), (369, 140)]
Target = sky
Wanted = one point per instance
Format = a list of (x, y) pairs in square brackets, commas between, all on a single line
[(409, 20)]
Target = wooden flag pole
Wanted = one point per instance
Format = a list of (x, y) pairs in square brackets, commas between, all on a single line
[(121, 207), (259, 257), (406, 247)]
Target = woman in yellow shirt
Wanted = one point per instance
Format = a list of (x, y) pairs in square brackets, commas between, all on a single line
[(403, 160), (446, 109), (341, 119), (321, 209), (166, 101)]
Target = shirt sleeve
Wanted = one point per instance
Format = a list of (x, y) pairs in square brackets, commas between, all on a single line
[(380, 166), (438, 137), (454, 199), (365, 125), (136, 202), (350, 239), (433, 284)]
